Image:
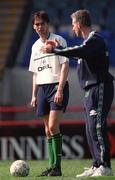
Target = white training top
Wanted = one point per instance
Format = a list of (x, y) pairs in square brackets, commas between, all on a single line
[(47, 69)]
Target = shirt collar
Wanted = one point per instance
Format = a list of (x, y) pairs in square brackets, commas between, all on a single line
[(90, 35)]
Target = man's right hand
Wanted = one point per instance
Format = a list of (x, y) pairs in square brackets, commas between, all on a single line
[(33, 102), (49, 46)]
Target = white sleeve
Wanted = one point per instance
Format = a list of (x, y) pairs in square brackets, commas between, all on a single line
[(63, 43), (32, 63), (63, 59)]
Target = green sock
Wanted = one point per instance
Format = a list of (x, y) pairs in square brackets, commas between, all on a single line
[(57, 149), (50, 152)]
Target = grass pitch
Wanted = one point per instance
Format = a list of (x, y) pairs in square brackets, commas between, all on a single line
[(69, 169)]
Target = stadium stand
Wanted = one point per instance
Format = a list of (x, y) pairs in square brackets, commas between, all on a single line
[(10, 16)]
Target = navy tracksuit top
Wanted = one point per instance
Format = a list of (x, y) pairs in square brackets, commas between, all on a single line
[(93, 60)]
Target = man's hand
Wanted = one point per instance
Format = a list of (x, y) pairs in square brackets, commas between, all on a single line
[(49, 46), (33, 102), (58, 97)]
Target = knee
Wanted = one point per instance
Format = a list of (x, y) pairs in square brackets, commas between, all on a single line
[(53, 129)]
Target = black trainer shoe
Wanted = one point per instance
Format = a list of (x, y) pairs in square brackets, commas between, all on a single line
[(46, 172), (55, 172)]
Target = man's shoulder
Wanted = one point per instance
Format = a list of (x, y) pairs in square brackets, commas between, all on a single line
[(96, 38), (57, 36), (60, 39)]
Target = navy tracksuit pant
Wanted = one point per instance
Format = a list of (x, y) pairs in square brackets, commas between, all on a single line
[(97, 102)]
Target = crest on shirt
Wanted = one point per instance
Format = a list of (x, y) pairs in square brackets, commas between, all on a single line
[(44, 61)]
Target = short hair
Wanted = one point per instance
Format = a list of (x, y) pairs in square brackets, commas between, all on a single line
[(41, 15), (82, 16)]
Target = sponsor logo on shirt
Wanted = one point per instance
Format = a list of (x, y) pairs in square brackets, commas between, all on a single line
[(41, 68)]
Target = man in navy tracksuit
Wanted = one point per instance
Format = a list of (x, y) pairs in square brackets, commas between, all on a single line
[(97, 82)]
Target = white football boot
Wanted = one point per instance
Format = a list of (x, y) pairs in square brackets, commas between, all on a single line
[(87, 172), (102, 171)]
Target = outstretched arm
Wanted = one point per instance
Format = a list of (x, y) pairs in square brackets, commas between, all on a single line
[(87, 50)]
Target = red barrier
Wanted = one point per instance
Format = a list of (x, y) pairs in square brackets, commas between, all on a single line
[(28, 108), (15, 109), (37, 122), (40, 122), (5, 110)]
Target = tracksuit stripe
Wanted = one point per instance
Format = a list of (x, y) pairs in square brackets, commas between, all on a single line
[(99, 123)]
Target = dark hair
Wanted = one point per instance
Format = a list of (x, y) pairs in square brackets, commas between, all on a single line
[(41, 15), (82, 16)]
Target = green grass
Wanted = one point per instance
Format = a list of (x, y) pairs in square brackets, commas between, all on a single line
[(69, 168)]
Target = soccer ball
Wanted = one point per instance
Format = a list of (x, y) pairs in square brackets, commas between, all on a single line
[(19, 168)]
